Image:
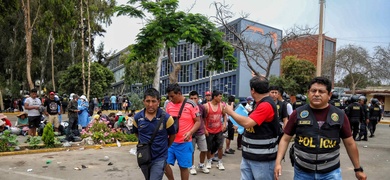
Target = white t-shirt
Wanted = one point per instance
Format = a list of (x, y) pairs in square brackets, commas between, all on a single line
[(289, 109), (35, 103)]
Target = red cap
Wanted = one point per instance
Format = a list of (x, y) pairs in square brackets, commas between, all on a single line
[(52, 93), (208, 93)]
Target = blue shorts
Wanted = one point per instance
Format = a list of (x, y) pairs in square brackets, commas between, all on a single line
[(182, 152)]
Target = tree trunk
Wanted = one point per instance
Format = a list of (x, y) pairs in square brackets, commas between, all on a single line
[(28, 30), (82, 45), (1, 101), (52, 64), (175, 69), (89, 51), (156, 80)]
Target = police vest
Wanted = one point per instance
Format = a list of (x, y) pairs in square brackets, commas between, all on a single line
[(260, 142), (298, 104), (354, 112), (281, 106), (317, 149), (375, 112), (336, 103)]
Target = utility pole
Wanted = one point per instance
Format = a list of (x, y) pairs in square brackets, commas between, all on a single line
[(319, 51)]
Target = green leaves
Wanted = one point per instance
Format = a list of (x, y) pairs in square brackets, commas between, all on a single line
[(299, 70)]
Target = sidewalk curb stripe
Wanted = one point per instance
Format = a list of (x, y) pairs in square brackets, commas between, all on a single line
[(64, 149)]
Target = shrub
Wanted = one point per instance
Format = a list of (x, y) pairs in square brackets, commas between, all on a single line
[(8, 141), (34, 141), (48, 135)]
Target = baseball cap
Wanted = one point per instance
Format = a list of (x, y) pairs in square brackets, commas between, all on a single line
[(2, 116), (207, 93), (52, 93), (2, 122), (249, 98)]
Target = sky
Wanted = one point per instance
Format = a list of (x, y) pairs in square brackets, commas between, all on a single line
[(363, 23)]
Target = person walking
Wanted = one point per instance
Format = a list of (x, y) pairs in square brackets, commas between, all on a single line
[(318, 128), (186, 115), (199, 137), (144, 124), (215, 128), (259, 141), (375, 116)]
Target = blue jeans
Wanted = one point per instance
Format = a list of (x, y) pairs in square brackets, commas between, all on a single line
[(156, 170), (113, 106), (302, 175), (256, 170)]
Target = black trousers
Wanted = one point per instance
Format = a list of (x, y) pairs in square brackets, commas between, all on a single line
[(372, 126), (72, 128), (354, 128)]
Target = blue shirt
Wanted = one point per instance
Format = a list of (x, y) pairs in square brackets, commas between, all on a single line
[(113, 99), (145, 128)]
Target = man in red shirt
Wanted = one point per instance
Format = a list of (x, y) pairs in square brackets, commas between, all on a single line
[(187, 123), (214, 128), (318, 128), (259, 141)]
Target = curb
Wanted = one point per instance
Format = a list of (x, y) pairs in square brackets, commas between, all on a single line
[(64, 149), (384, 122)]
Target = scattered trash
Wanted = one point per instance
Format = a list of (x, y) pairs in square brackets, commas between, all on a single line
[(59, 162), (118, 143), (45, 167), (83, 166), (133, 151), (67, 144), (17, 148), (88, 141), (365, 146), (82, 148), (67, 150), (106, 157), (110, 163), (29, 170), (76, 168), (48, 161)]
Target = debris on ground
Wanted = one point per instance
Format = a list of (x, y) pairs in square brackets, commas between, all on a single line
[(83, 166), (29, 170), (110, 163)]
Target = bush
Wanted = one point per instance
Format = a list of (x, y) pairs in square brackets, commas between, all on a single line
[(48, 136), (102, 134), (8, 141)]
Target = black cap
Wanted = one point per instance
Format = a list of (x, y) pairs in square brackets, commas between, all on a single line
[(33, 90)]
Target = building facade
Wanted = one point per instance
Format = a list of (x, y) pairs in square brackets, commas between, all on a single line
[(194, 74), (307, 48)]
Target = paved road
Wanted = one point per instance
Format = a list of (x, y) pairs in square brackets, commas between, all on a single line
[(374, 156)]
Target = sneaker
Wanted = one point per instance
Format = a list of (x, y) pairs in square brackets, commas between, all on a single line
[(215, 159), (232, 150), (208, 164), (229, 152), (205, 170), (193, 170), (220, 166)]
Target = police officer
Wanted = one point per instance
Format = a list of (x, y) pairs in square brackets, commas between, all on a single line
[(364, 123), (355, 113), (300, 101), (318, 128), (335, 101), (375, 116)]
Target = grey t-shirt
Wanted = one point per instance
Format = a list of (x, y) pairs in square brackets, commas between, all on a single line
[(36, 102)]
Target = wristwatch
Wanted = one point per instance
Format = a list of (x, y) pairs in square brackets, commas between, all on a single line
[(360, 169)]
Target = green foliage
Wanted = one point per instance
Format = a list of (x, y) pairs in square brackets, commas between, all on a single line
[(132, 68), (34, 141), (169, 26), (102, 134), (299, 70), (8, 141), (48, 135), (136, 102), (289, 85), (101, 79)]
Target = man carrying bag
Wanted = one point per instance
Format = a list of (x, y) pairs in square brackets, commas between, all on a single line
[(155, 131)]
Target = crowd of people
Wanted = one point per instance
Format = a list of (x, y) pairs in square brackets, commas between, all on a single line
[(266, 123), (265, 129)]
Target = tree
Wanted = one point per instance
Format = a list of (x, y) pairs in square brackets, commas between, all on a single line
[(28, 27), (289, 85), (263, 51), (168, 27), (299, 70), (101, 77), (363, 83), (382, 63), (354, 60)]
